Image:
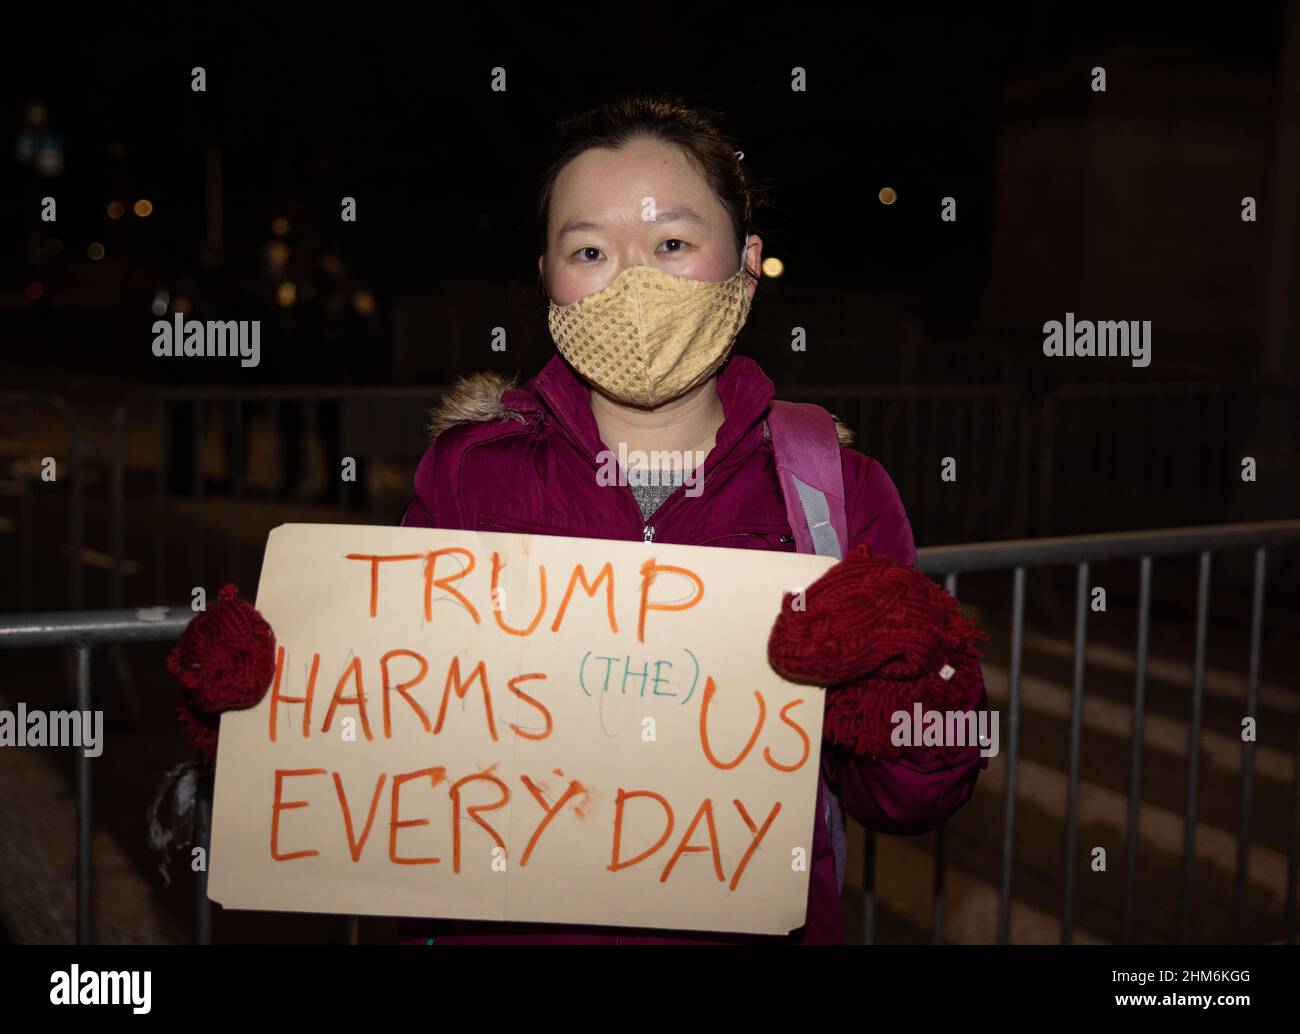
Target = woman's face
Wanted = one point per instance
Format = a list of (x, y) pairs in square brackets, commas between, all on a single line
[(643, 205)]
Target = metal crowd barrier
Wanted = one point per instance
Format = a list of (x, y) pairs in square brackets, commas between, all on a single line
[(1083, 550), (986, 426), (87, 629), (83, 630), (911, 428), (1084, 467), (1138, 454), (237, 399), (26, 401)]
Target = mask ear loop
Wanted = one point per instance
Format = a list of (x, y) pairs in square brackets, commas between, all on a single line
[(744, 253)]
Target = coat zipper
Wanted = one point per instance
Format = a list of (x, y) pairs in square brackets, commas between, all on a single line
[(647, 530), (675, 500)]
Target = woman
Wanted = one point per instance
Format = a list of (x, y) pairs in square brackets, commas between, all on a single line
[(649, 263)]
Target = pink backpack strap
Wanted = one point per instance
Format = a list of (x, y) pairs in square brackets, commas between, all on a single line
[(807, 452)]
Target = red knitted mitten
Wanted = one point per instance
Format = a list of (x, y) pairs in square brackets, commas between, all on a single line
[(224, 661), (881, 636)]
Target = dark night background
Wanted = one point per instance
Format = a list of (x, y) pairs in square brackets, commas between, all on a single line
[(1057, 206), (925, 336)]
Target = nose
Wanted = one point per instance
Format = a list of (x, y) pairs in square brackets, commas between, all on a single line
[(632, 257)]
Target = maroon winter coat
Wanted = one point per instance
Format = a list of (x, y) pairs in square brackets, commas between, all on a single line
[(525, 460)]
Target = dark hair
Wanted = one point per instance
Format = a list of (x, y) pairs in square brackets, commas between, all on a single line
[(660, 117)]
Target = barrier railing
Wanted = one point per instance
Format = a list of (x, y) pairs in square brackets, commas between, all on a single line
[(913, 430), (1137, 455), (236, 401), (1082, 551), (1127, 455), (82, 630), (25, 402), (87, 629), (987, 429)]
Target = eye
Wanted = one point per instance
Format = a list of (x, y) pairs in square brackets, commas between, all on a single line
[(581, 250), (674, 240)]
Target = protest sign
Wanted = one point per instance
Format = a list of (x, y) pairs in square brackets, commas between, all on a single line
[(521, 727)]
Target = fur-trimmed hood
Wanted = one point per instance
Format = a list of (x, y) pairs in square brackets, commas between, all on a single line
[(472, 399), (477, 398)]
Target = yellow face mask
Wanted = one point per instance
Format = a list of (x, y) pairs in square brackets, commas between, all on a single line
[(650, 337)]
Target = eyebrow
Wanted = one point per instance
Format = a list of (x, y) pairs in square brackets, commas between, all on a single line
[(669, 216), (674, 214)]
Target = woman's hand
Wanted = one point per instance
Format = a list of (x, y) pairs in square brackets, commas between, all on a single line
[(882, 637), (224, 661)]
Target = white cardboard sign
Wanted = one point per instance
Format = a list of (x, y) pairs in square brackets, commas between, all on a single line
[(521, 727)]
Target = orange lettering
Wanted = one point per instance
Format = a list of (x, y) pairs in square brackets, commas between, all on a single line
[(649, 572), (756, 836), (580, 575), (278, 805), (436, 775), (431, 561), (619, 798), (453, 679), (354, 670), (575, 787), (709, 690), (277, 699), (705, 811), (536, 703), (496, 610), (807, 743), (355, 848), (374, 572), (473, 812), (402, 687)]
